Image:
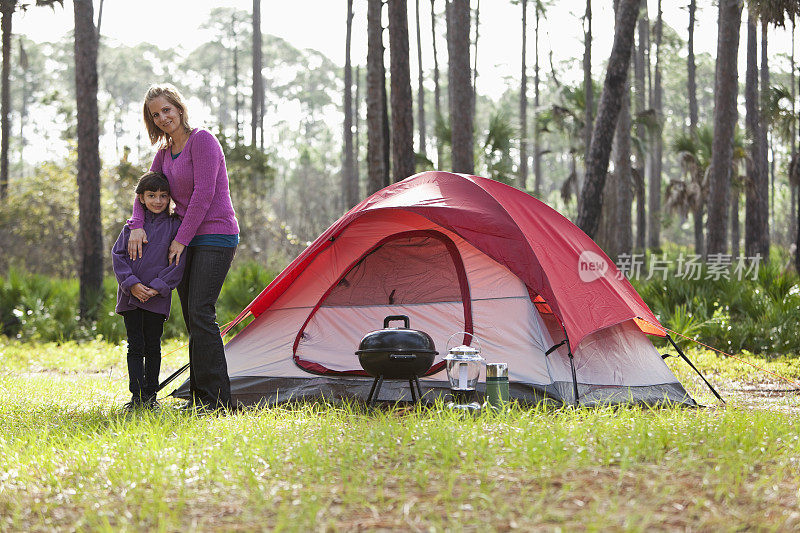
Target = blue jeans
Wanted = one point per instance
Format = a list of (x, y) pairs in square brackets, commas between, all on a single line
[(205, 271), (144, 329)]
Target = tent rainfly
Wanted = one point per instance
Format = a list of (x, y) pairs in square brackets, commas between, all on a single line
[(454, 253)]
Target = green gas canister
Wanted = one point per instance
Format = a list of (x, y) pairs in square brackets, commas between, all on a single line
[(496, 384)]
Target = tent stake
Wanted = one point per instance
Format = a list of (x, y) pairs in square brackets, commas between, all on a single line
[(572, 366), (683, 356)]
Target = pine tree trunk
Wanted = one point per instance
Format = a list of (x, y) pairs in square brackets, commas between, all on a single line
[(357, 135), (699, 245), (537, 150), (654, 186), (402, 109), (523, 104), (258, 87), (587, 81), (735, 233), (7, 11), (475, 56), (725, 118), (622, 168), (376, 168), (641, 131), (437, 99), (235, 83), (792, 185), (90, 231), (349, 183), (753, 127), (588, 88), (461, 87), (420, 90), (691, 71), (607, 114), (762, 187)]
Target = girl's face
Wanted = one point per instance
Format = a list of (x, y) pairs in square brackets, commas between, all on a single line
[(155, 201), (165, 115)]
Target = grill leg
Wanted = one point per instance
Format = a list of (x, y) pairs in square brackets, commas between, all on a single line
[(413, 393), (375, 390), (419, 389)]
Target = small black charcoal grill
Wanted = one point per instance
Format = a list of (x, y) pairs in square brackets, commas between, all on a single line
[(396, 353)]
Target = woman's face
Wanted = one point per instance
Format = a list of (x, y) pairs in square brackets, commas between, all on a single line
[(165, 115)]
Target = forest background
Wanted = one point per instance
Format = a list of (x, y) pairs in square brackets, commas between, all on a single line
[(289, 152)]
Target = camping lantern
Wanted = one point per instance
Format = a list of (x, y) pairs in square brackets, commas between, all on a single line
[(463, 365)]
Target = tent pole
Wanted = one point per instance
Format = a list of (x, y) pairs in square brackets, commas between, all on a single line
[(572, 366), (177, 373), (683, 356)]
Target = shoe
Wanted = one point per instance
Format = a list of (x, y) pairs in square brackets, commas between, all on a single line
[(134, 405), (151, 403)]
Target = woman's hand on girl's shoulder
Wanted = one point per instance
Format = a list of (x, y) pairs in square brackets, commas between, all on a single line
[(137, 238)]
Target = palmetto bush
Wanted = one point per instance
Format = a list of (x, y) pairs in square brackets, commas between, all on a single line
[(758, 315), (36, 307)]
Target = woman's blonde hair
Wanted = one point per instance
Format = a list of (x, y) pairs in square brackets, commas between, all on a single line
[(174, 97)]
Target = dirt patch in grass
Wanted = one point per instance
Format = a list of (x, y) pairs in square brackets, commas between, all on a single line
[(605, 498)]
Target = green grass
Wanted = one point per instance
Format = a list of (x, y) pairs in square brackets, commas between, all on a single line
[(70, 459)]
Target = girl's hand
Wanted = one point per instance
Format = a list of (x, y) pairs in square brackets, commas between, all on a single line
[(137, 238), (141, 292), (175, 251)]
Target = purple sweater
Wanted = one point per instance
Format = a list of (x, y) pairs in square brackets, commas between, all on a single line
[(152, 269), (198, 181)]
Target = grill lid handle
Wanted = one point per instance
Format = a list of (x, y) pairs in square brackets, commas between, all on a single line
[(392, 318)]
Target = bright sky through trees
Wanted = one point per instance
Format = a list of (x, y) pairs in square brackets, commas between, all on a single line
[(320, 25)]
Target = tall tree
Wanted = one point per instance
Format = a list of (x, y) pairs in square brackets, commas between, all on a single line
[(587, 78), (638, 174), (420, 89), (356, 134), (459, 80), (622, 169), (376, 87), (235, 79), (753, 220), (90, 230), (792, 183), (7, 9), (437, 101), (654, 187), (725, 118), (523, 103), (258, 80), (349, 183), (591, 204), (761, 246), (537, 151), (691, 71), (402, 109), (475, 56)]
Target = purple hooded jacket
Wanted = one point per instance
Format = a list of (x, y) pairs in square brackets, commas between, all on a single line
[(152, 269)]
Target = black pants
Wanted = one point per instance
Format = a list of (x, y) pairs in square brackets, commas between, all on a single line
[(144, 351), (205, 271)]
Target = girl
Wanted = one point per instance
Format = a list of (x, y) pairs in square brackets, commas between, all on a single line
[(145, 288)]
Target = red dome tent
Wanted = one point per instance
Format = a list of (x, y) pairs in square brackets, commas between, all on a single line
[(454, 253)]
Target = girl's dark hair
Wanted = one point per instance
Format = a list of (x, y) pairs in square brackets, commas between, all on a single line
[(152, 182)]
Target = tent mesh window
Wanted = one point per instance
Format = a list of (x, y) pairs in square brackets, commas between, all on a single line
[(409, 270)]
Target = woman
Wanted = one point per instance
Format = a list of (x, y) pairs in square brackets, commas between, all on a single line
[(193, 162)]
